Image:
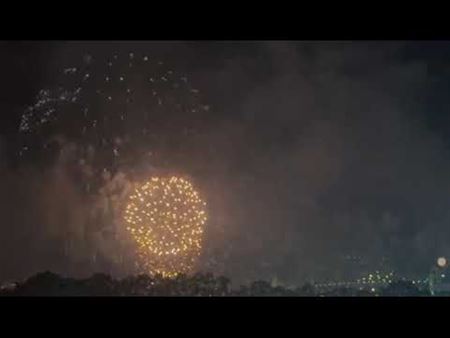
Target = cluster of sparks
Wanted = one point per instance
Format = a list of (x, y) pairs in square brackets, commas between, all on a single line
[(165, 217), (123, 107)]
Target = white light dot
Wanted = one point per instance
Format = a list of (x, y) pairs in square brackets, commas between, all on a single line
[(442, 261)]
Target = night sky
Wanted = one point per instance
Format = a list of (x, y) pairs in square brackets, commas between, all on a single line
[(319, 160)]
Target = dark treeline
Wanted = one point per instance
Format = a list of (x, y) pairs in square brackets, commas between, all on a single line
[(206, 285)]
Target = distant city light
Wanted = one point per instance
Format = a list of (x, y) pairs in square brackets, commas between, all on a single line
[(442, 262)]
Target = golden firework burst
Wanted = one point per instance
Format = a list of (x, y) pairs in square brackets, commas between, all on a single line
[(165, 217)]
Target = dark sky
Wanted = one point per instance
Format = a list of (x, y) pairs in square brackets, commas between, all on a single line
[(320, 150)]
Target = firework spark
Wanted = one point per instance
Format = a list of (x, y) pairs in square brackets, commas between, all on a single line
[(166, 217), (120, 111)]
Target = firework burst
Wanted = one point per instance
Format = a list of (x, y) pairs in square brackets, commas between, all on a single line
[(165, 217)]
